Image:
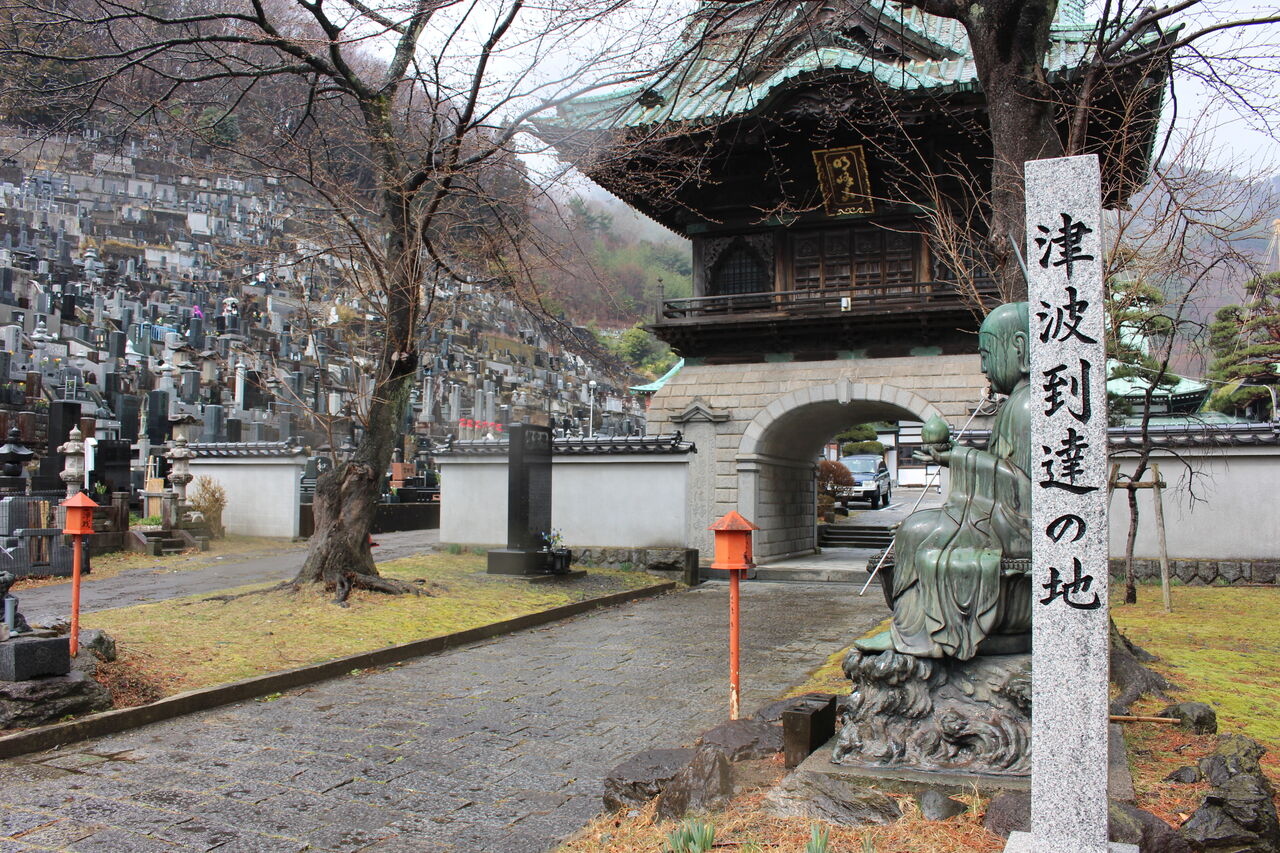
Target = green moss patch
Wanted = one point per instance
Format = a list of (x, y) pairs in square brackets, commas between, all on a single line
[(1220, 643)]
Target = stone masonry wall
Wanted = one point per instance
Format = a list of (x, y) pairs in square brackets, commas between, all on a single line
[(786, 523), (1203, 572)]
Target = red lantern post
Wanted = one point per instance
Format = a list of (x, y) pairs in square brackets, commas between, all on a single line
[(733, 553), (78, 525)]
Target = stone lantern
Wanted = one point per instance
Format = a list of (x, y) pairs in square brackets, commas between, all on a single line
[(180, 457), (13, 455), (73, 462)]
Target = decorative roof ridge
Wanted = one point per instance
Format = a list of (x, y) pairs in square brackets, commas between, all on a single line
[(1171, 435), (246, 449), (670, 443)]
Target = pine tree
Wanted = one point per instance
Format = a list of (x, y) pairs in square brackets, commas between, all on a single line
[(1245, 340)]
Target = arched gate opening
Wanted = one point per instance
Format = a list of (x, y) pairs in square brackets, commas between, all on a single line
[(777, 457)]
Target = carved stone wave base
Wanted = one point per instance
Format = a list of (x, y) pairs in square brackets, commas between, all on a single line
[(946, 715)]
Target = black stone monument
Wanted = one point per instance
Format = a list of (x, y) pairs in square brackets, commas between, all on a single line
[(528, 504), (64, 416)]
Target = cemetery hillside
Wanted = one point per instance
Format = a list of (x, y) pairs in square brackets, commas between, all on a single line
[(603, 426)]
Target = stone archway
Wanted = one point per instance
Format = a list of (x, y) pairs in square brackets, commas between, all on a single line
[(776, 457), (758, 428)]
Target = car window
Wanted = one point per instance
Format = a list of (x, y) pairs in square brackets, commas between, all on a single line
[(860, 466)]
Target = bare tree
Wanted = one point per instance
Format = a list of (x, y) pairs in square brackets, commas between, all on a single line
[(1186, 233), (399, 120)]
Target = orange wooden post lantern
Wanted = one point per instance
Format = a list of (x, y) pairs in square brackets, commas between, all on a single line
[(733, 553), (78, 525)]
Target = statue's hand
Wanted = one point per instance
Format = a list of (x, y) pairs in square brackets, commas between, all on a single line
[(933, 453)]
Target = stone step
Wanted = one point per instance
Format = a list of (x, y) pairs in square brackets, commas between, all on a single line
[(782, 573), (826, 540), (812, 575), (849, 535)]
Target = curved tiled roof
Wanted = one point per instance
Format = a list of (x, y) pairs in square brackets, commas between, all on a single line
[(245, 449), (732, 67)]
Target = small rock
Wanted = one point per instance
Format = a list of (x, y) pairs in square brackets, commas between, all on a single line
[(817, 796), (772, 713), (1008, 812), (60, 624), (935, 805), (703, 784), (1196, 716), (642, 777), (100, 642), (1238, 816), (1184, 776), (1236, 754), (1128, 824), (742, 740)]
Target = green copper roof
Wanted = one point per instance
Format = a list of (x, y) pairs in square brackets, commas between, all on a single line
[(1135, 386), (651, 387), (732, 66)]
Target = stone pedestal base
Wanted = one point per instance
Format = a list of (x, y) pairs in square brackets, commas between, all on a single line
[(937, 715), (512, 561), (1023, 842), (49, 699)]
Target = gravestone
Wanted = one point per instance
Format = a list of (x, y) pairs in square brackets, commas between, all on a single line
[(528, 503), (1070, 639), (158, 424), (111, 461), (234, 429), (212, 423), (190, 386), (63, 417), (127, 408)]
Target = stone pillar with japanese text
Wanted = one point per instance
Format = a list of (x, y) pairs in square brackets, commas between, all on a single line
[(1070, 651)]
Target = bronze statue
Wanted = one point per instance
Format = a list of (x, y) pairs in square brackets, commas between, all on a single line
[(959, 581)]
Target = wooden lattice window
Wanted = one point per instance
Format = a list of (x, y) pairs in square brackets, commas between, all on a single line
[(857, 257), (739, 269)]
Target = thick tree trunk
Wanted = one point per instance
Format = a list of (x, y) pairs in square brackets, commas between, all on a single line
[(347, 497), (346, 500), (1009, 39)]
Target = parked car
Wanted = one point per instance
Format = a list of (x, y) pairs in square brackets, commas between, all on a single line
[(870, 481)]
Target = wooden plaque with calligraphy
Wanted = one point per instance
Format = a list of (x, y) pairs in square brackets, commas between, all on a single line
[(842, 174)]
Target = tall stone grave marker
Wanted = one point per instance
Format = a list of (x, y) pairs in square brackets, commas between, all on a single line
[(528, 502), (1069, 647)]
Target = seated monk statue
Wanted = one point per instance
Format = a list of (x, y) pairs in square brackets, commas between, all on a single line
[(951, 596)]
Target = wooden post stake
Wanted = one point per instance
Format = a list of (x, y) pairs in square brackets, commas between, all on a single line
[(1157, 494)]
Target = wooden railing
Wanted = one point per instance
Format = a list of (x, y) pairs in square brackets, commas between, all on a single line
[(921, 296)]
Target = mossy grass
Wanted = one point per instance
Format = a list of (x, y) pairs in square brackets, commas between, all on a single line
[(1220, 644), (196, 642)]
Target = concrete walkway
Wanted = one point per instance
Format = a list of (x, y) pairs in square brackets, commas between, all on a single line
[(140, 586), (499, 747)]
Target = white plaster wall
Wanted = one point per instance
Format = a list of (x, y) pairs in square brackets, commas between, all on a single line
[(263, 495), (473, 499), (620, 501), (1220, 504), (611, 501)]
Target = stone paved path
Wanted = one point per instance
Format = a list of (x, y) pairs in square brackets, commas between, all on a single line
[(139, 586), (499, 747)]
